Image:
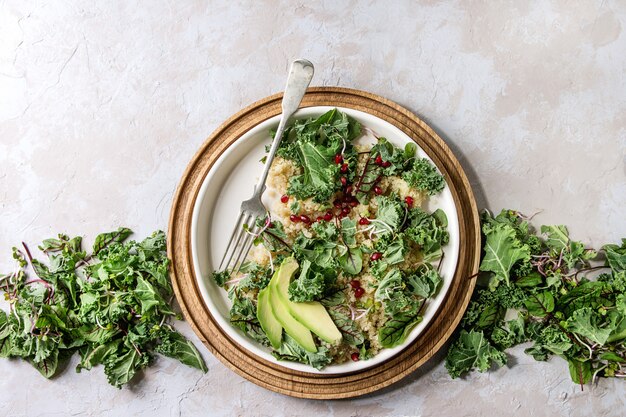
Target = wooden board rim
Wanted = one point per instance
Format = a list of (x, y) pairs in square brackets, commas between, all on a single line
[(278, 378)]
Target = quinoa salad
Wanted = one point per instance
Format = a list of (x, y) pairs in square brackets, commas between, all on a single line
[(347, 258)]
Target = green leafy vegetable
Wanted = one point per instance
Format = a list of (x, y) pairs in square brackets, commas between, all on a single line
[(424, 176), (397, 328), (309, 285), (111, 306), (290, 350), (559, 308), (502, 251), (472, 350)]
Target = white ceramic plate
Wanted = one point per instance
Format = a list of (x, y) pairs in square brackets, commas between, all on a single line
[(231, 180)]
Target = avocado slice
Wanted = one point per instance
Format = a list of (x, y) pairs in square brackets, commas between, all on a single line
[(270, 325), (311, 314), (297, 331)]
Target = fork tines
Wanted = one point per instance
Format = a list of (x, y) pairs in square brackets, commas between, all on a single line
[(240, 242)]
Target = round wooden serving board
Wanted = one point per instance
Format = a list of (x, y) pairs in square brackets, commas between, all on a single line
[(271, 375)]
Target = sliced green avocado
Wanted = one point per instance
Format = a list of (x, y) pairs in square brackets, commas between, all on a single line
[(272, 327), (312, 314), (297, 331)]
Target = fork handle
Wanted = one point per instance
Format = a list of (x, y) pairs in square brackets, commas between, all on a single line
[(300, 75)]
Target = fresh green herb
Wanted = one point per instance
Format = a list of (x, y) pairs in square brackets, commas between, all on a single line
[(543, 278), (112, 307)]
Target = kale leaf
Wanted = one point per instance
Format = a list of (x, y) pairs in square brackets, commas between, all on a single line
[(111, 306), (543, 279), (423, 176)]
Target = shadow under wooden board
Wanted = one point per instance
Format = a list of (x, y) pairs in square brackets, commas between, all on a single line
[(311, 385)]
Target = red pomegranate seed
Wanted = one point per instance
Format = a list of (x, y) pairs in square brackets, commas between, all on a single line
[(363, 221), (354, 203), (358, 293), (355, 283), (355, 356), (378, 160), (376, 256), (344, 168), (338, 159), (328, 216), (349, 189), (319, 218), (294, 218), (386, 164), (408, 200), (337, 203), (378, 190), (284, 198), (343, 180), (305, 219), (271, 225), (345, 210)]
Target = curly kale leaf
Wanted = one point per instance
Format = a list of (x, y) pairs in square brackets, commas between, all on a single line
[(111, 306), (472, 350), (312, 144), (616, 257), (429, 231), (319, 179), (310, 285), (290, 350), (589, 324), (502, 251), (424, 281), (423, 176), (175, 345), (389, 216)]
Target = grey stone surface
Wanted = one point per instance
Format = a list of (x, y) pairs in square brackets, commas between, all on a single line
[(102, 104)]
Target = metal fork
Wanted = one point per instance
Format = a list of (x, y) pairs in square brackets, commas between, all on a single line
[(241, 239)]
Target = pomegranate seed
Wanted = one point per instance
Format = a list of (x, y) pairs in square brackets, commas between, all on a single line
[(337, 203), (358, 293), (376, 256), (284, 198), (319, 218), (378, 160), (349, 189), (345, 210), (328, 216), (271, 225), (294, 218), (344, 168), (386, 164), (409, 201), (363, 221), (355, 356), (343, 180), (338, 159), (305, 219), (378, 190), (354, 203), (355, 283)]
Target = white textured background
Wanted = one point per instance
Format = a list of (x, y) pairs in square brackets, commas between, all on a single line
[(102, 104)]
